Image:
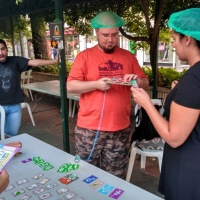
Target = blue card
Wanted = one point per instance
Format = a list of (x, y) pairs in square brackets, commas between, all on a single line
[(90, 179), (106, 189)]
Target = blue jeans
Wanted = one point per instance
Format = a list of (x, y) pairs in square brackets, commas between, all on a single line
[(13, 119)]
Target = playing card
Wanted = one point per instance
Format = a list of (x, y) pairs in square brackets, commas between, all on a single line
[(116, 193), (38, 176), (51, 185), (90, 179), (25, 197), (44, 196), (62, 190), (96, 184), (65, 180), (44, 181), (39, 190), (11, 186), (106, 189), (18, 192), (20, 182), (32, 186), (70, 195), (68, 179)]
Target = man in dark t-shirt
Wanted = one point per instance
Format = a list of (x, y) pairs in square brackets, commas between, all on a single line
[(11, 95)]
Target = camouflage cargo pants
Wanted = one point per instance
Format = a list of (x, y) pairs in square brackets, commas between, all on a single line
[(110, 152)]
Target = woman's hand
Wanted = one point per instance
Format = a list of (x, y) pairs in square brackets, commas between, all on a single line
[(140, 97), (174, 83)]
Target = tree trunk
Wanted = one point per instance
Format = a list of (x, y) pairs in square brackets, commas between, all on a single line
[(38, 27), (154, 47)]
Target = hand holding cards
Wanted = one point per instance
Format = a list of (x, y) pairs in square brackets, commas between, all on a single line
[(6, 154), (121, 81), (134, 83)]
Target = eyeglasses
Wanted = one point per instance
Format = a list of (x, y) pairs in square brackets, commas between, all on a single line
[(3, 49), (107, 36)]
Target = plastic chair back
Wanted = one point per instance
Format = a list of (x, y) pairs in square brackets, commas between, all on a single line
[(2, 115)]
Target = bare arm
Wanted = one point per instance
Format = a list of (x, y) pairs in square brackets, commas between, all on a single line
[(181, 123), (80, 87), (42, 62), (143, 82)]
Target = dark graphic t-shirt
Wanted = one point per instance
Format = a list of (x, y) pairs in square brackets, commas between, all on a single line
[(10, 77)]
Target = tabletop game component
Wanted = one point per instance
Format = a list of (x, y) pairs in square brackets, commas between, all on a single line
[(67, 167), (38, 176), (6, 154), (32, 186), (106, 189), (116, 193), (68, 179), (70, 195), (96, 184), (119, 81), (45, 196), (134, 83), (27, 160), (18, 192), (90, 179), (42, 163), (62, 190), (77, 159)]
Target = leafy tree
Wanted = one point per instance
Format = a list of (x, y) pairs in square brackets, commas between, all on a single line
[(19, 23), (144, 20), (38, 27)]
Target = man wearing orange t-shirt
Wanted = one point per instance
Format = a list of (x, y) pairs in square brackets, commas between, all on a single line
[(102, 133)]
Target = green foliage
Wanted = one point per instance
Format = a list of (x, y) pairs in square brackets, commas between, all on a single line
[(20, 25), (148, 71), (19, 1), (68, 67), (167, 75), (38, 27), (52, 69)]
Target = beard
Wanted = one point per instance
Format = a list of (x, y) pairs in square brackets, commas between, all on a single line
[(107, 50), (3, 59)]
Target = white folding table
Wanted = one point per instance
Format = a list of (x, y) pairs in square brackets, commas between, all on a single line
[(22, 171), (52, 88)]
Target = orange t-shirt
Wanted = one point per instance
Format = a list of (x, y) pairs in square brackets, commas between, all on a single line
[(93, 64)]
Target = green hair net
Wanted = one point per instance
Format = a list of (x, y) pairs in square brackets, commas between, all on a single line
[(107, 19), (186, 22)]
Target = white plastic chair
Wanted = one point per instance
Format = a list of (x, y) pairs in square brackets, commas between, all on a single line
[(144, 152), (25, 79), (26, 105), (2, 115)]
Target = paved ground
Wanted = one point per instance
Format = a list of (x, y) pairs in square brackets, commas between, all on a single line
[(49, 129)]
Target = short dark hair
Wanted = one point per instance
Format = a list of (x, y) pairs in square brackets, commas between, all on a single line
[(3, 42)]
